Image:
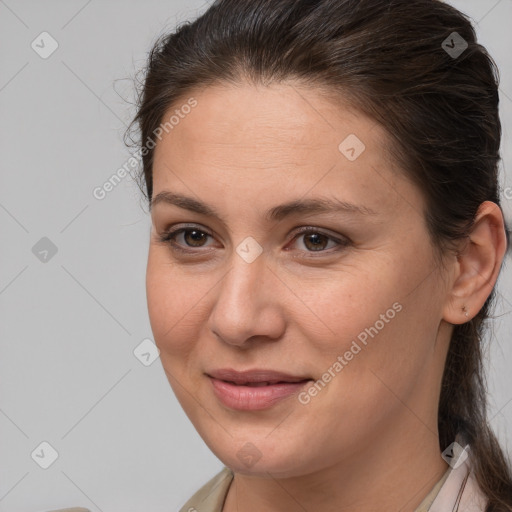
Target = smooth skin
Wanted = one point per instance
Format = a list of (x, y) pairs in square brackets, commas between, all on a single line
[(368, 440)]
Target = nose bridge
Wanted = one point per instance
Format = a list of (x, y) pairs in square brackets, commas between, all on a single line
[(243, 285), (244, 297)]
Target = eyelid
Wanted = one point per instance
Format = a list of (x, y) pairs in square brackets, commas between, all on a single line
[(340, 240), (170, 233)]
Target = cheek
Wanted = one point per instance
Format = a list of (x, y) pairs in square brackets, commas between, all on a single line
[(397, 349), (375, 355), (379, 319), (346, 306), (173, 302)]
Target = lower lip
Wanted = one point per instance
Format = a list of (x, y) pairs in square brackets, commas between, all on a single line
[(253, 398)]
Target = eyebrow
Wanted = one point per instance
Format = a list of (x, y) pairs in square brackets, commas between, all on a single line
[(277, 213)]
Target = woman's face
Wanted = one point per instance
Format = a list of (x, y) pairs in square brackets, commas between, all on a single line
[(355, 305)]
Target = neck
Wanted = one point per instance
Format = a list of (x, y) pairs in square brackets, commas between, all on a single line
[(395, 473)]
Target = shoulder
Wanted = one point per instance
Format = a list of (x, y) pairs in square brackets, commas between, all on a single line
[(460, 492), (210, 497), (472, 497)]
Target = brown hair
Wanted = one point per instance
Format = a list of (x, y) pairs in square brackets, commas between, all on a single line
[(440, 109)]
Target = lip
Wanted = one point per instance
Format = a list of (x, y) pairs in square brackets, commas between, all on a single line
[(237, 389)]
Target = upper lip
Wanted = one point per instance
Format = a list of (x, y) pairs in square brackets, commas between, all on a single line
[(254, 375)]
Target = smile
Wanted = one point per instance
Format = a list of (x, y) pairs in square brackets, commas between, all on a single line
[(252, 395)]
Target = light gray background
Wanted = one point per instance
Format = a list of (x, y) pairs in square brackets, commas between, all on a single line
[(69, 326)]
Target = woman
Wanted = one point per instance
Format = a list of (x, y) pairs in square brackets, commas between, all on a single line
[(326, 238)]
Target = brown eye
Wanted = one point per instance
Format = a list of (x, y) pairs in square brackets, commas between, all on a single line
[(194, 237), (186, 239), (315, 241), (191, 238)]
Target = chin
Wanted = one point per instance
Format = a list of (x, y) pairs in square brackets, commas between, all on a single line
[(261, 455)]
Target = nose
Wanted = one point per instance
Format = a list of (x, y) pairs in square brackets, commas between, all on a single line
[(247, 304)]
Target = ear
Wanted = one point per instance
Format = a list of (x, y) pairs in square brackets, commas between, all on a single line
[(478, 265)]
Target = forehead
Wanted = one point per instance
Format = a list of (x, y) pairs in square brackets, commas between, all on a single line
[(285, 122), (262, 144)]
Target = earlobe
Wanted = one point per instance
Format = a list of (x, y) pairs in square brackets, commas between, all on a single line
[(478, 265)]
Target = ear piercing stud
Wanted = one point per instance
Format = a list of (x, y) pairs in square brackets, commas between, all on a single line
[(465, 310)]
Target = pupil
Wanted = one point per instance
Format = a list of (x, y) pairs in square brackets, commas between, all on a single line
[(317, 240), (196, 235)]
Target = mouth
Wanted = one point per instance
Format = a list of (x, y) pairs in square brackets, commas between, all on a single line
[(254, 389), (256, 376), (260, 384)]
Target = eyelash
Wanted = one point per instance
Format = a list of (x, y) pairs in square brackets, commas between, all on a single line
[(168, 238)]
